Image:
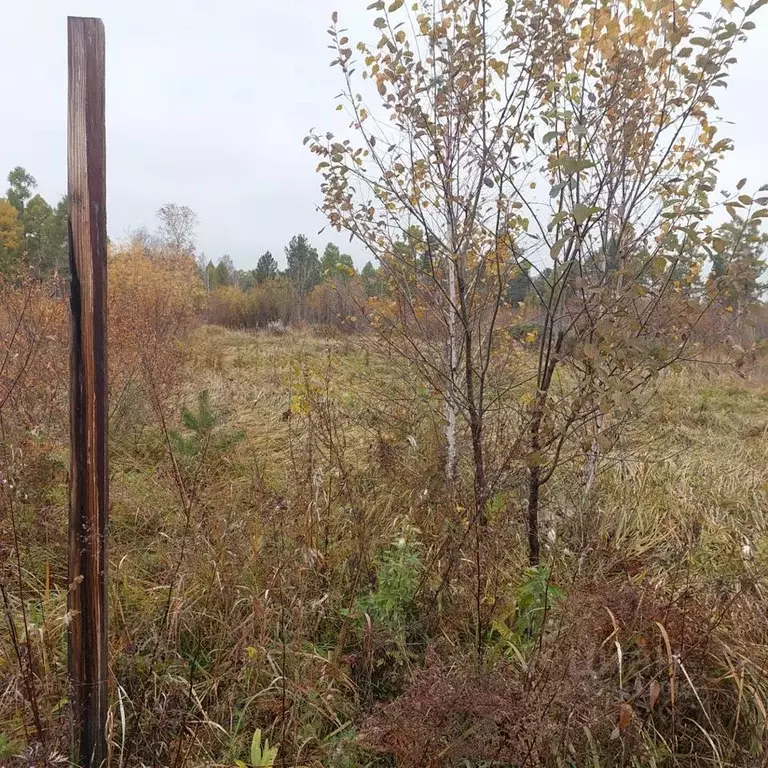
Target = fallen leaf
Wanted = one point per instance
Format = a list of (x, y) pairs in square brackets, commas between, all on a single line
[(625, 716), (655, 691)]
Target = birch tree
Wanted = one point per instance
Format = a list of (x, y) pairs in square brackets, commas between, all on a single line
[(419, 190), (573, 141)]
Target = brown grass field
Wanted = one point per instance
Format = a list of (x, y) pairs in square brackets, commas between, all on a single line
[(283, 556)]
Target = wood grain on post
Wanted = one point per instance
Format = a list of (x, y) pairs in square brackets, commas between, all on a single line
[(88, 491)]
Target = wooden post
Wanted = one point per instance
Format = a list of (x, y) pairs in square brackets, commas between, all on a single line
[(88, 478)]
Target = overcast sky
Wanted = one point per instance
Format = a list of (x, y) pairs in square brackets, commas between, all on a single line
[(208, 103)]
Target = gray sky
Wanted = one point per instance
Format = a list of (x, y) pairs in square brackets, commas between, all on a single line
[(208, 103)]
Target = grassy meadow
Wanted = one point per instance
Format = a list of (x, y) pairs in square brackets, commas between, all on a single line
[(284, 557)]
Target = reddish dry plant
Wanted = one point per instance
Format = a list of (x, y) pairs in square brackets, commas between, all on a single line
[(617, 663)]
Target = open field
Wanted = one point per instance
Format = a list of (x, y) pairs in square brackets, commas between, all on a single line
[(284, 556)]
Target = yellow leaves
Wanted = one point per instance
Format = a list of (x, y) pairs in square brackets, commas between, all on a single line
[(606, 47), (10, 227), (300, 405), (640, 27), (395, 5), (153, 305), (400, 36), (499, 67), (602, 17), (728, 5), (612, 30), (530, 337)]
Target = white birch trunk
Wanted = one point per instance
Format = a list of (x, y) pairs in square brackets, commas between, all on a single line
[(452, 362)]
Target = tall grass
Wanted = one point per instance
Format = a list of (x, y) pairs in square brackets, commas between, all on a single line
[(284, 557)]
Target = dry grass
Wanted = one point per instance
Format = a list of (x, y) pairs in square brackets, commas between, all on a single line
[(295, 579)]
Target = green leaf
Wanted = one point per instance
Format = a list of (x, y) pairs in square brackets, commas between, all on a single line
[(702, 40), (752, 8), (556, 219), (761, 214), (256, 748), (741, 183), (719, 244), (582, 212), (575, 164), (269, 756), (558, 246), (745, 199), (395, 5), (550, 136), (380, 23)]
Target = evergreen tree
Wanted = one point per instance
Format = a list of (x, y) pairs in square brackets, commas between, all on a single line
[(519, 285), (20, 188), (303, 265), (266, 268), (210, 276), (223, 272), (245, 279), (36, 219), (58, 239), (45, 230), (336, 264), (373, 285), (737, 262)]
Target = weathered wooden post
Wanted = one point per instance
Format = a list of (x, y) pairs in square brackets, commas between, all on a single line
[(88, 479)]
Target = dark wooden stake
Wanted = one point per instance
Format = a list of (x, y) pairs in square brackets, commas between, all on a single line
[(88, 479)]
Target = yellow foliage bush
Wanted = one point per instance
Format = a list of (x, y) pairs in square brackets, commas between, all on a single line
[(33, 357), (153, 306), (271, 301), (335, 303), (11, 235)]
